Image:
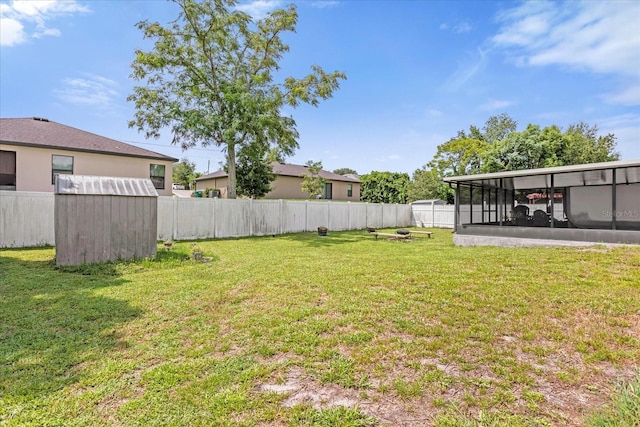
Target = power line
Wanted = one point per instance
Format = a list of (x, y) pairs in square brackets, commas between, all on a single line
[(162, 145)]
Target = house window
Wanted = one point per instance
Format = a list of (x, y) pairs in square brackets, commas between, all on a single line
[(61, 165), (349, 190), (157, 176), (7, 170)]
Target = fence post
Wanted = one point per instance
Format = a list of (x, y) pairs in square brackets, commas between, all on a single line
[(213, 217), (281, 222), (433, 215), (174, 220), (250, 217), (306, 215)]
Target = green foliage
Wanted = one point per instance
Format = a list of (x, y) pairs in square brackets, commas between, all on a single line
[(384, 187), (427, 184), (345, 171), (184, 173), (624, 409), (255, 173), (499, 147), (313, 183), (330, 417), (210, 79)]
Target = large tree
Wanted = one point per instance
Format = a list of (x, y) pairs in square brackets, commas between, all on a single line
[(210, 79), (345, 171)]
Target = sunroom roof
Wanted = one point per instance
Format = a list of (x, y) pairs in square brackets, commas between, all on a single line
[(627, 172)]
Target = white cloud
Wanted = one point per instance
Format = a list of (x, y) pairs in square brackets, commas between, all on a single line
[(496, 104), (321, 4), (89, 90), (432, 112), (629, 96), (258, 9), (459, 28), (21, 19), (599, 37), (394, 157), (626, 128), (467, 69), (462, 27)]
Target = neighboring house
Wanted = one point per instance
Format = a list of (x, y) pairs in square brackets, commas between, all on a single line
[(288, 183), (34, 150)]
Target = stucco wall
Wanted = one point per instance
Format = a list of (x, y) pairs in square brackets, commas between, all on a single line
[(33, 167), (287, 187)]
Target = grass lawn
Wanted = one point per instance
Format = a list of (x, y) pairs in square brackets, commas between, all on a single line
[(340, 330)]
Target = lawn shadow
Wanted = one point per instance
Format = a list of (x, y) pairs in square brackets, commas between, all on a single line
[(332, 238), (53, 322)]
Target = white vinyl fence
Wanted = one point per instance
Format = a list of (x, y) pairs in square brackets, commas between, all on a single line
[(432, 216), (27, 218)]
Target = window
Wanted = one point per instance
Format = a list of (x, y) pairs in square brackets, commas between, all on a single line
[(349, 190), (61, 165), (7, 170), (157, 176)]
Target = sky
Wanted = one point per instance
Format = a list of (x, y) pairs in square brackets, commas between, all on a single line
[(417, 72)]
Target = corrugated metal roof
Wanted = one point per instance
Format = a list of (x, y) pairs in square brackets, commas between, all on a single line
[(104, 185), (36, 132)]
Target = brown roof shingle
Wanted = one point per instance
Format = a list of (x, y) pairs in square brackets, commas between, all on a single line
[(285, 169), (36, 132)]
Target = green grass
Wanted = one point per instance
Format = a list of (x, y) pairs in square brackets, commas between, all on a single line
[(307, 330)]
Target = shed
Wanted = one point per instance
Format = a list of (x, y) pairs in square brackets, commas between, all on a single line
[(100, 219)]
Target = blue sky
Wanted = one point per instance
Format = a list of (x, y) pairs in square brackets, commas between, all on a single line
[(418, 71)]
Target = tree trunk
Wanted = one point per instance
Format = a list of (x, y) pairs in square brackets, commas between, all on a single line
[(231, 166)]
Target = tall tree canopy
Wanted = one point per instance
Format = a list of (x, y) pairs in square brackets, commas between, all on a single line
[(384, 187), (499, 147), (210, 79), (345, 171)]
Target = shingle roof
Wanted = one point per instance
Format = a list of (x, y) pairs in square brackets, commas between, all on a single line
[(35, 132), (284, 169)]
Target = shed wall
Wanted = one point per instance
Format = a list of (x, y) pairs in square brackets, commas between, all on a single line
[(98, 228)]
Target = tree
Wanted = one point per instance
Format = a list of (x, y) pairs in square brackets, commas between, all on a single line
[(184, 173), (496, 128), (345, 171), (459, 156), (255, 173), (210, 79), (585, 146), (313, 183), (384, 187), (427, 184)]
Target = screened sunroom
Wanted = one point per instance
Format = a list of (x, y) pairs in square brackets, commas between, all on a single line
[(598, 203)]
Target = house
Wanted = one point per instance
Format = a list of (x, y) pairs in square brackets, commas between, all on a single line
[(34, 150), (591, 203), (288, 183)]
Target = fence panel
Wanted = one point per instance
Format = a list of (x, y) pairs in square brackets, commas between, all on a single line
[(339, 216), (390, 216), (194, 218), (26, 219), (294, 217), (374, 215), (317, 215), (266, 216), (443, 216), (233, 218), (357, 216)]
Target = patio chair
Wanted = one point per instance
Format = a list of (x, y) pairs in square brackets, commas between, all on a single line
[(521, 215)]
